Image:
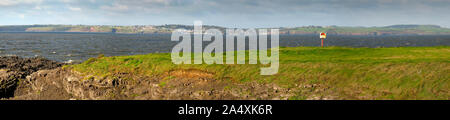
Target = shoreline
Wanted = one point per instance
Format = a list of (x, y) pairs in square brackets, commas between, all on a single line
[(303, 75)]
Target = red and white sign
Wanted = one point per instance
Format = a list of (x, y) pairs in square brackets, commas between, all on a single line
[(323, 35)]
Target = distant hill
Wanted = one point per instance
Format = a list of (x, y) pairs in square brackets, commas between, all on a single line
[(149, 29), (413, 26), (375, 31)]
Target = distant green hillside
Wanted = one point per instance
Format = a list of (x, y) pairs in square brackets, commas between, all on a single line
[(388, 30), (147, 29)]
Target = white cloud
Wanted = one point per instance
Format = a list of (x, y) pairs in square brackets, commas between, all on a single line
[(115, 7), (68, 1), (17, 2), (22, 16), (38, 8), (74, 8), (229, 12)]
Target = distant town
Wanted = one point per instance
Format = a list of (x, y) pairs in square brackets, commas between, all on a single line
[(167, 29)]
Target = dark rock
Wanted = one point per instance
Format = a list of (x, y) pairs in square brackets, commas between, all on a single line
[(13, 69)]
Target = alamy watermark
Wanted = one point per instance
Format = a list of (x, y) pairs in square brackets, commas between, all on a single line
[(207, 56)]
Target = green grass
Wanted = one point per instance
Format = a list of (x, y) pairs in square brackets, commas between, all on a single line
[(349, 73)]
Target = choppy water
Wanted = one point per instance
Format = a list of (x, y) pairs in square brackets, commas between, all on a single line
[(81, 46)]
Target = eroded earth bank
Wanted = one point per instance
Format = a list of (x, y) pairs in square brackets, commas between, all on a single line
[(41, 79)]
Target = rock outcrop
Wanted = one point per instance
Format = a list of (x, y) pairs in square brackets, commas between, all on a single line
[(14, 69), (40, 79)]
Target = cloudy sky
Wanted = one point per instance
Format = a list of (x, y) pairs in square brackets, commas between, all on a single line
[(229, 13)]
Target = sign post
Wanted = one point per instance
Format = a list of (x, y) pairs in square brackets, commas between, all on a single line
[(322, 36)]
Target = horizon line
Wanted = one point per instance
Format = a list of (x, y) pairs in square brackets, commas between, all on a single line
[(228, 27)]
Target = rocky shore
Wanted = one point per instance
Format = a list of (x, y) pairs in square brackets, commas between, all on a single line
[(14, 70), (41, 79)]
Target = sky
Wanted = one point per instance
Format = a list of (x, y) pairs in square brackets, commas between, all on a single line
[(228, 13)]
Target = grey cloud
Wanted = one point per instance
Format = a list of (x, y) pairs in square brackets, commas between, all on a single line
[(237, 12)]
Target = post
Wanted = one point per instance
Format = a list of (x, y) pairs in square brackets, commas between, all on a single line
[(322, 43), (322, 37)]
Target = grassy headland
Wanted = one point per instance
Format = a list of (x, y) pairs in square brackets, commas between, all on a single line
[(347, 73)]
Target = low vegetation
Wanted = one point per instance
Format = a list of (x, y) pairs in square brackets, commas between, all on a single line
[(346, 73)]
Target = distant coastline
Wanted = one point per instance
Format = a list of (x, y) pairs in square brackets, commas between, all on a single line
[(167, 29)]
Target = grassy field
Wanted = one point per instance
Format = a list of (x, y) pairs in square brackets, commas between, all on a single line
[(348, 73)]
